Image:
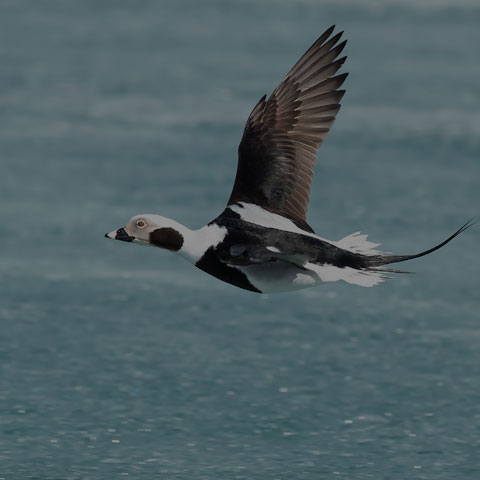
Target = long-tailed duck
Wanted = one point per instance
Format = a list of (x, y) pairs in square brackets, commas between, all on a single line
[(262, 241)]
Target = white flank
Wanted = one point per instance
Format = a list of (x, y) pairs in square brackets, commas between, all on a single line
[(284, 277), (304, 280), (274, 277), (330, 273)]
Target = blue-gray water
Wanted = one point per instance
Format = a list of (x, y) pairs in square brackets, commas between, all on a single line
[(119, 361)]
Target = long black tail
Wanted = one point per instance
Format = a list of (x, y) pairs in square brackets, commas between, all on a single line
[(387, 259)]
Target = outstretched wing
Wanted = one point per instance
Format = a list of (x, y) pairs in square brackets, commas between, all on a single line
[(278, 151)]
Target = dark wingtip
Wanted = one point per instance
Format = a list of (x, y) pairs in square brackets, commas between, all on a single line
[(324, 36), (335, 39), (341, 79), (341, 46)]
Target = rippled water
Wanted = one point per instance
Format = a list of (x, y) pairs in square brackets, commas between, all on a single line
[(119, 361)]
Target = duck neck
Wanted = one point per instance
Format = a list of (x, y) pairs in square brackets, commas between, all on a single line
[(197, 242)]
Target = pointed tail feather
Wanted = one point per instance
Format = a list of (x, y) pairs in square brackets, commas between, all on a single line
[(387, 259)]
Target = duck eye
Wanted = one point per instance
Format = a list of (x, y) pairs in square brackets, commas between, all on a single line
[(141, 223)]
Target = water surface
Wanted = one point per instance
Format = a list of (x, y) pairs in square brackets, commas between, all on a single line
[(119, 361)]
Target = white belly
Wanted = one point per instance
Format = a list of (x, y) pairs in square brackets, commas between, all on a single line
[(279, 277)]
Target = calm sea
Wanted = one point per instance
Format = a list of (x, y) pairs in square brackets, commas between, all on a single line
[(122, 362)]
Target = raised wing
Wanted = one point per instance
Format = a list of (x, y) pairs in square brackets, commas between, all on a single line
[(278, 151)]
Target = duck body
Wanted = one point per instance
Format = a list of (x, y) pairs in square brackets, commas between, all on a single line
[(277, 256), (262, 242)]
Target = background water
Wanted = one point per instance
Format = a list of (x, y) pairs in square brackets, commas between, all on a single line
[(120, 361)]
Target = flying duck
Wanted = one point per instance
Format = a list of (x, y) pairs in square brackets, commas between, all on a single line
[(262, 242)]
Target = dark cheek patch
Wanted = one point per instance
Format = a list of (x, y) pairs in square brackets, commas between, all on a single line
[(167, 238)]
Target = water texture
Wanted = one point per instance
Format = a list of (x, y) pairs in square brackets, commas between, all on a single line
[(123, 362)]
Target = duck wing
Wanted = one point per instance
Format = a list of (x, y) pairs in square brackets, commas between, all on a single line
[(278, 150)]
